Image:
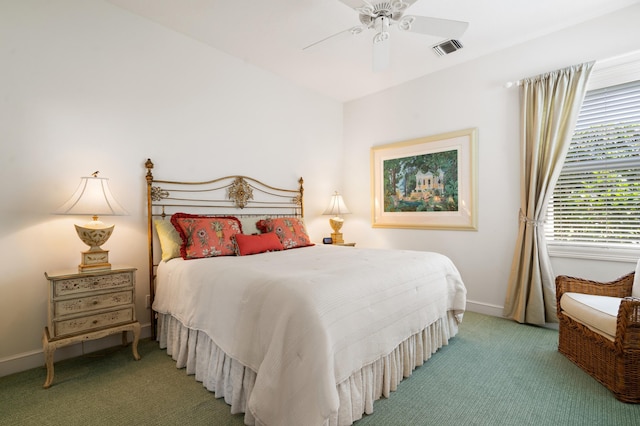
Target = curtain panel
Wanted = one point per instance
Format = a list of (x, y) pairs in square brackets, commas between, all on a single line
[(549, 107)]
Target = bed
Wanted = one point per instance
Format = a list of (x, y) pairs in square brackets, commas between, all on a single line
[(289, 334)]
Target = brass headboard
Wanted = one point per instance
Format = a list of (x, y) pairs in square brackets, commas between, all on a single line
[(235, 195)]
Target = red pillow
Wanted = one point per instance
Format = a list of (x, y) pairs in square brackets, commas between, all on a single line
[(206, 236), (290, 230), (254, 244)]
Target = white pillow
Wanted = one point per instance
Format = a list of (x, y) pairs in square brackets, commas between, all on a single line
[(635, 291)]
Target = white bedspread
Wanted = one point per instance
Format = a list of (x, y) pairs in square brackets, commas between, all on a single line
[(306, 319)]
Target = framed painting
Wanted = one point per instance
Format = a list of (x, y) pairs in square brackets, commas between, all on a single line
[(426, 183)]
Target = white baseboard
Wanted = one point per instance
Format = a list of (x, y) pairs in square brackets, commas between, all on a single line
[(34, 359), (485, 308)]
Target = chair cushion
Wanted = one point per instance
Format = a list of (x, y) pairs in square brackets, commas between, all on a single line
[(599, 313)]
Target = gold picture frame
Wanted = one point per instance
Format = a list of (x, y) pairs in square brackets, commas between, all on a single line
[(426, 183)]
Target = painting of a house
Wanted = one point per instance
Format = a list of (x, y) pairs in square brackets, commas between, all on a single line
[(422, 183)]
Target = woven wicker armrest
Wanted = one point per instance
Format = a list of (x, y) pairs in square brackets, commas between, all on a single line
[(628, 325), (620, 287)]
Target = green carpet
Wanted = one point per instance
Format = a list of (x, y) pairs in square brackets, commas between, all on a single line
[(495, 372)]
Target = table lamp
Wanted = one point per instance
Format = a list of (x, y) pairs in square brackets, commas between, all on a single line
[(93, 197), (336, 208)]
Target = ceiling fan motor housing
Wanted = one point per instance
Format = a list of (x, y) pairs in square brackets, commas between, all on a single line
[(391, 10)]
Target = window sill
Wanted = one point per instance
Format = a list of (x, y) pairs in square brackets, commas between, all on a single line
[(611, 254)]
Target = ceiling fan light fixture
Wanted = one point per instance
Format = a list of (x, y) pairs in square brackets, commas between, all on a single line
[(405, 23), (381, 47), (382, 26), (447, 47)]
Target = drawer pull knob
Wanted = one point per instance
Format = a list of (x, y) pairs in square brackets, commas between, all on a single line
[(95, 302), (95, 321)]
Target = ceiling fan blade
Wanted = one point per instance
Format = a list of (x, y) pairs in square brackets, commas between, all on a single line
[(381, 45), (381, 55), (433, 26), (409, 2), (353, 31), (354, 4)]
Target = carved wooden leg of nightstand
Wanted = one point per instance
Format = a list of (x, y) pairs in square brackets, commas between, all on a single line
[(48, 350), (136, 338)]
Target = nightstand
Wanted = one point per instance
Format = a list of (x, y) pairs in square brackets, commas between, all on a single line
[(89, 305)]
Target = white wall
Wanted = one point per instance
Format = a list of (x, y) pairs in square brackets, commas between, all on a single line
[(473, 95), (87, 86)]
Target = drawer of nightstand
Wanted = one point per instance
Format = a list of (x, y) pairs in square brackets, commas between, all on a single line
[(91, 303), (91, 283), (86, 323)]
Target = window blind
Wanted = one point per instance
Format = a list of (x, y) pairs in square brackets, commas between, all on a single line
[(597, 198)]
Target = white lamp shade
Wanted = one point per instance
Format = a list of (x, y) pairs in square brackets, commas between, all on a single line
[(336, 206), (93, 197)]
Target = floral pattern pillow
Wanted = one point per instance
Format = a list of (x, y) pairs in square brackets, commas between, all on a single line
[(290, 230), (206, 236)]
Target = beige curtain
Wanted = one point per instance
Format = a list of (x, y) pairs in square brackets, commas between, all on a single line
[(549, 107)]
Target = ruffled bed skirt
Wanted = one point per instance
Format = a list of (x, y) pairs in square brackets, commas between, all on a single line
[(228, 379)]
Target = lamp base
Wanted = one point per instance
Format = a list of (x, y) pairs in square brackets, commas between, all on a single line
[(94, 260), (336, 237), (336, 225)]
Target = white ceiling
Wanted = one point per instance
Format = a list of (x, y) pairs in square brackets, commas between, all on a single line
[(272, 33)]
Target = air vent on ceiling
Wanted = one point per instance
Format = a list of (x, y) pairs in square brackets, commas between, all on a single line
[(447, 47)]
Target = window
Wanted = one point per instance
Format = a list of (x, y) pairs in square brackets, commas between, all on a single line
[(596, 202)]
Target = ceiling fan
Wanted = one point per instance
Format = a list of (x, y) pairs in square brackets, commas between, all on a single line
[(380, 15)]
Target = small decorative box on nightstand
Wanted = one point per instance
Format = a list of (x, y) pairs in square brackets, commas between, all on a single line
[(89, 305)]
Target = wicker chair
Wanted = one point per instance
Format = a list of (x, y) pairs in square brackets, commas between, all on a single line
[(615, 364)]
